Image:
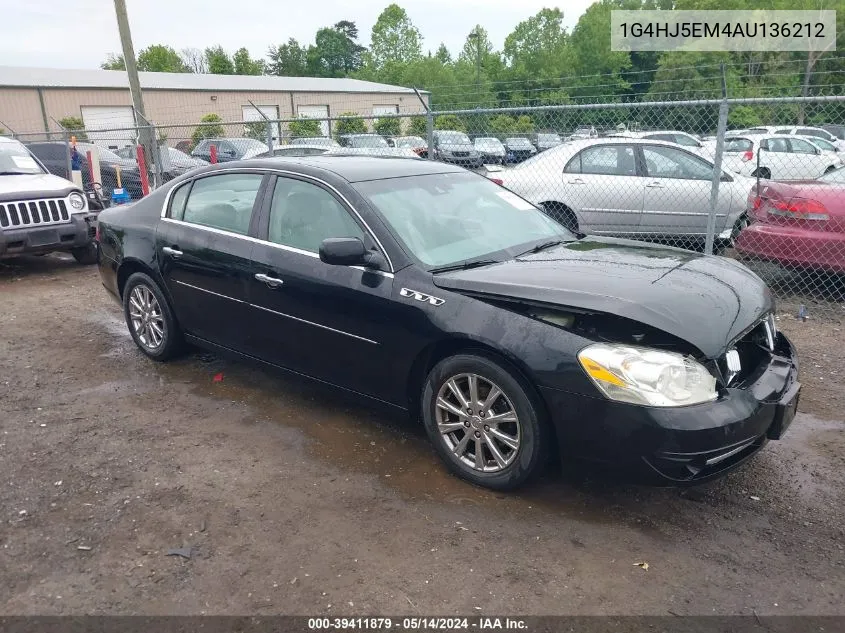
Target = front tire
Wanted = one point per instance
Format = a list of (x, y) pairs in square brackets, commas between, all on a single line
[(150, 319), (483, 422), (85, 255)]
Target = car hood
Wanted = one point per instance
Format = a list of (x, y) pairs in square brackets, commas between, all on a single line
[(707, 301), (456, 147), (34, 185)]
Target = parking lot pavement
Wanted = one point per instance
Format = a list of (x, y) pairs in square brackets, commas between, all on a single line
[(296, 500)]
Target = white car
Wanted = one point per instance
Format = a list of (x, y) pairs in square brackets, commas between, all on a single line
[(777, 157), (629, 187), (825, 146), (683, 139), (815, 132)]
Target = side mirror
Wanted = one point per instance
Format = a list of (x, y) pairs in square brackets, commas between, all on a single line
[(348, 251)]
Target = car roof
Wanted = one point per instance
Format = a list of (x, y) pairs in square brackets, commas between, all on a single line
[(354, 168)]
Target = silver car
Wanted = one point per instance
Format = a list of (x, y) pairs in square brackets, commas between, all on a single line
[(630, 187)]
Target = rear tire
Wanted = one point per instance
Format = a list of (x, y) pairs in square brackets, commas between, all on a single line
[(561, 214), (87, 254), (508, 430), (150, 319)]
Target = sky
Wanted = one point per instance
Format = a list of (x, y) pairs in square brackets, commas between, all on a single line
[(82, 33)]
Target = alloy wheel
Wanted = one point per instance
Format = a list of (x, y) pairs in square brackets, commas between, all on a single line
[(147, 318), (477, 422)]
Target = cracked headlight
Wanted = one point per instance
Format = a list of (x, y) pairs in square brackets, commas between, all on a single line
[(646, 376)]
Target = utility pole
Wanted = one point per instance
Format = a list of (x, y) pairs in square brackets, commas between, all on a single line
[(146, 136)]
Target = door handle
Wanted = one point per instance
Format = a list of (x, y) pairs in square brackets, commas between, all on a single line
[(656, 185), (273, 282), (575, 181), (173, 252)]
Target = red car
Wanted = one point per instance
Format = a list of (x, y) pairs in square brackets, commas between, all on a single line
[(797, 224)]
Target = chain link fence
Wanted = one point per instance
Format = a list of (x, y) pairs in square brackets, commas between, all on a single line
[(684, 173)]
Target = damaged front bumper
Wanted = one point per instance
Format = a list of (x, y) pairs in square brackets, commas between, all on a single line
[(681, 445)]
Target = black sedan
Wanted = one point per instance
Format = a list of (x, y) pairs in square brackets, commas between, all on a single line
[(434, 290), (519, 149)]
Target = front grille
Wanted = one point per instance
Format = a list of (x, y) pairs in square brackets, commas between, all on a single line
[(29, 213), (461, 154)]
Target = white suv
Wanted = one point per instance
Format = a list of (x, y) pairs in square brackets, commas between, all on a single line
[(40, 212)]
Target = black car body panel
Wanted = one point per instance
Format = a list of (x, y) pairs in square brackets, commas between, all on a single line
[(376, 332), (635, 281)]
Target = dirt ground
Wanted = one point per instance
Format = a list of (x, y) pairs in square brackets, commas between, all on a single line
[(295, 500)]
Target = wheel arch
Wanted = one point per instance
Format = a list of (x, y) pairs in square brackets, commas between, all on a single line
[(563, 208), (432, 354), (130, 266)]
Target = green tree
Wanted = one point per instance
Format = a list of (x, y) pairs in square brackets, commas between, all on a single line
[(599, 69), (388, 127), (395, 43), (219, 62), (288, 60), (350, 123), (75, 126), (209, 127), (538, 56), (335, 53), (305, 127), (502, 124), (257, 130), (524, 125), (159, 58), (449, 122), (443, 55), (418, 126), (113, 62), (743, 116), (243, 64)]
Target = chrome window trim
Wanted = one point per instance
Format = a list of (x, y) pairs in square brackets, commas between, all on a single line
[(266, 170), (255, 240)]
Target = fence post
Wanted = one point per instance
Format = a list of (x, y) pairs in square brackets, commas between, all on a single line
[(68, 165), (717, 167), (429, 131)]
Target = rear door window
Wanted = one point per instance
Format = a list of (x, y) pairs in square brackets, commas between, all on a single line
[(223, 202), (609, 160)]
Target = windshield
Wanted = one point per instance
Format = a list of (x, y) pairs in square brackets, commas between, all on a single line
[(445, 219), (518, 142), (492, 143), (105, 154), (410, 141), (178, 154), (835, 176), (548, 138), (456, 138), (825, 145), (322, 141), (16, 159), (367, 141)]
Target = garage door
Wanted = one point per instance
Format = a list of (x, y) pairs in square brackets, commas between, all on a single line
[(315, 112), (251, 114), (110, 126)]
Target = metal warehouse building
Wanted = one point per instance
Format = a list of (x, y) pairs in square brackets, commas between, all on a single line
[(33, 99)]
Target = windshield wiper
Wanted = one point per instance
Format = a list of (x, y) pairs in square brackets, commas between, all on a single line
[(464, 265), (541, 247)]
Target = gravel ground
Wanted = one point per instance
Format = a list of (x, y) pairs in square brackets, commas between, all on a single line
[(292, 499)]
